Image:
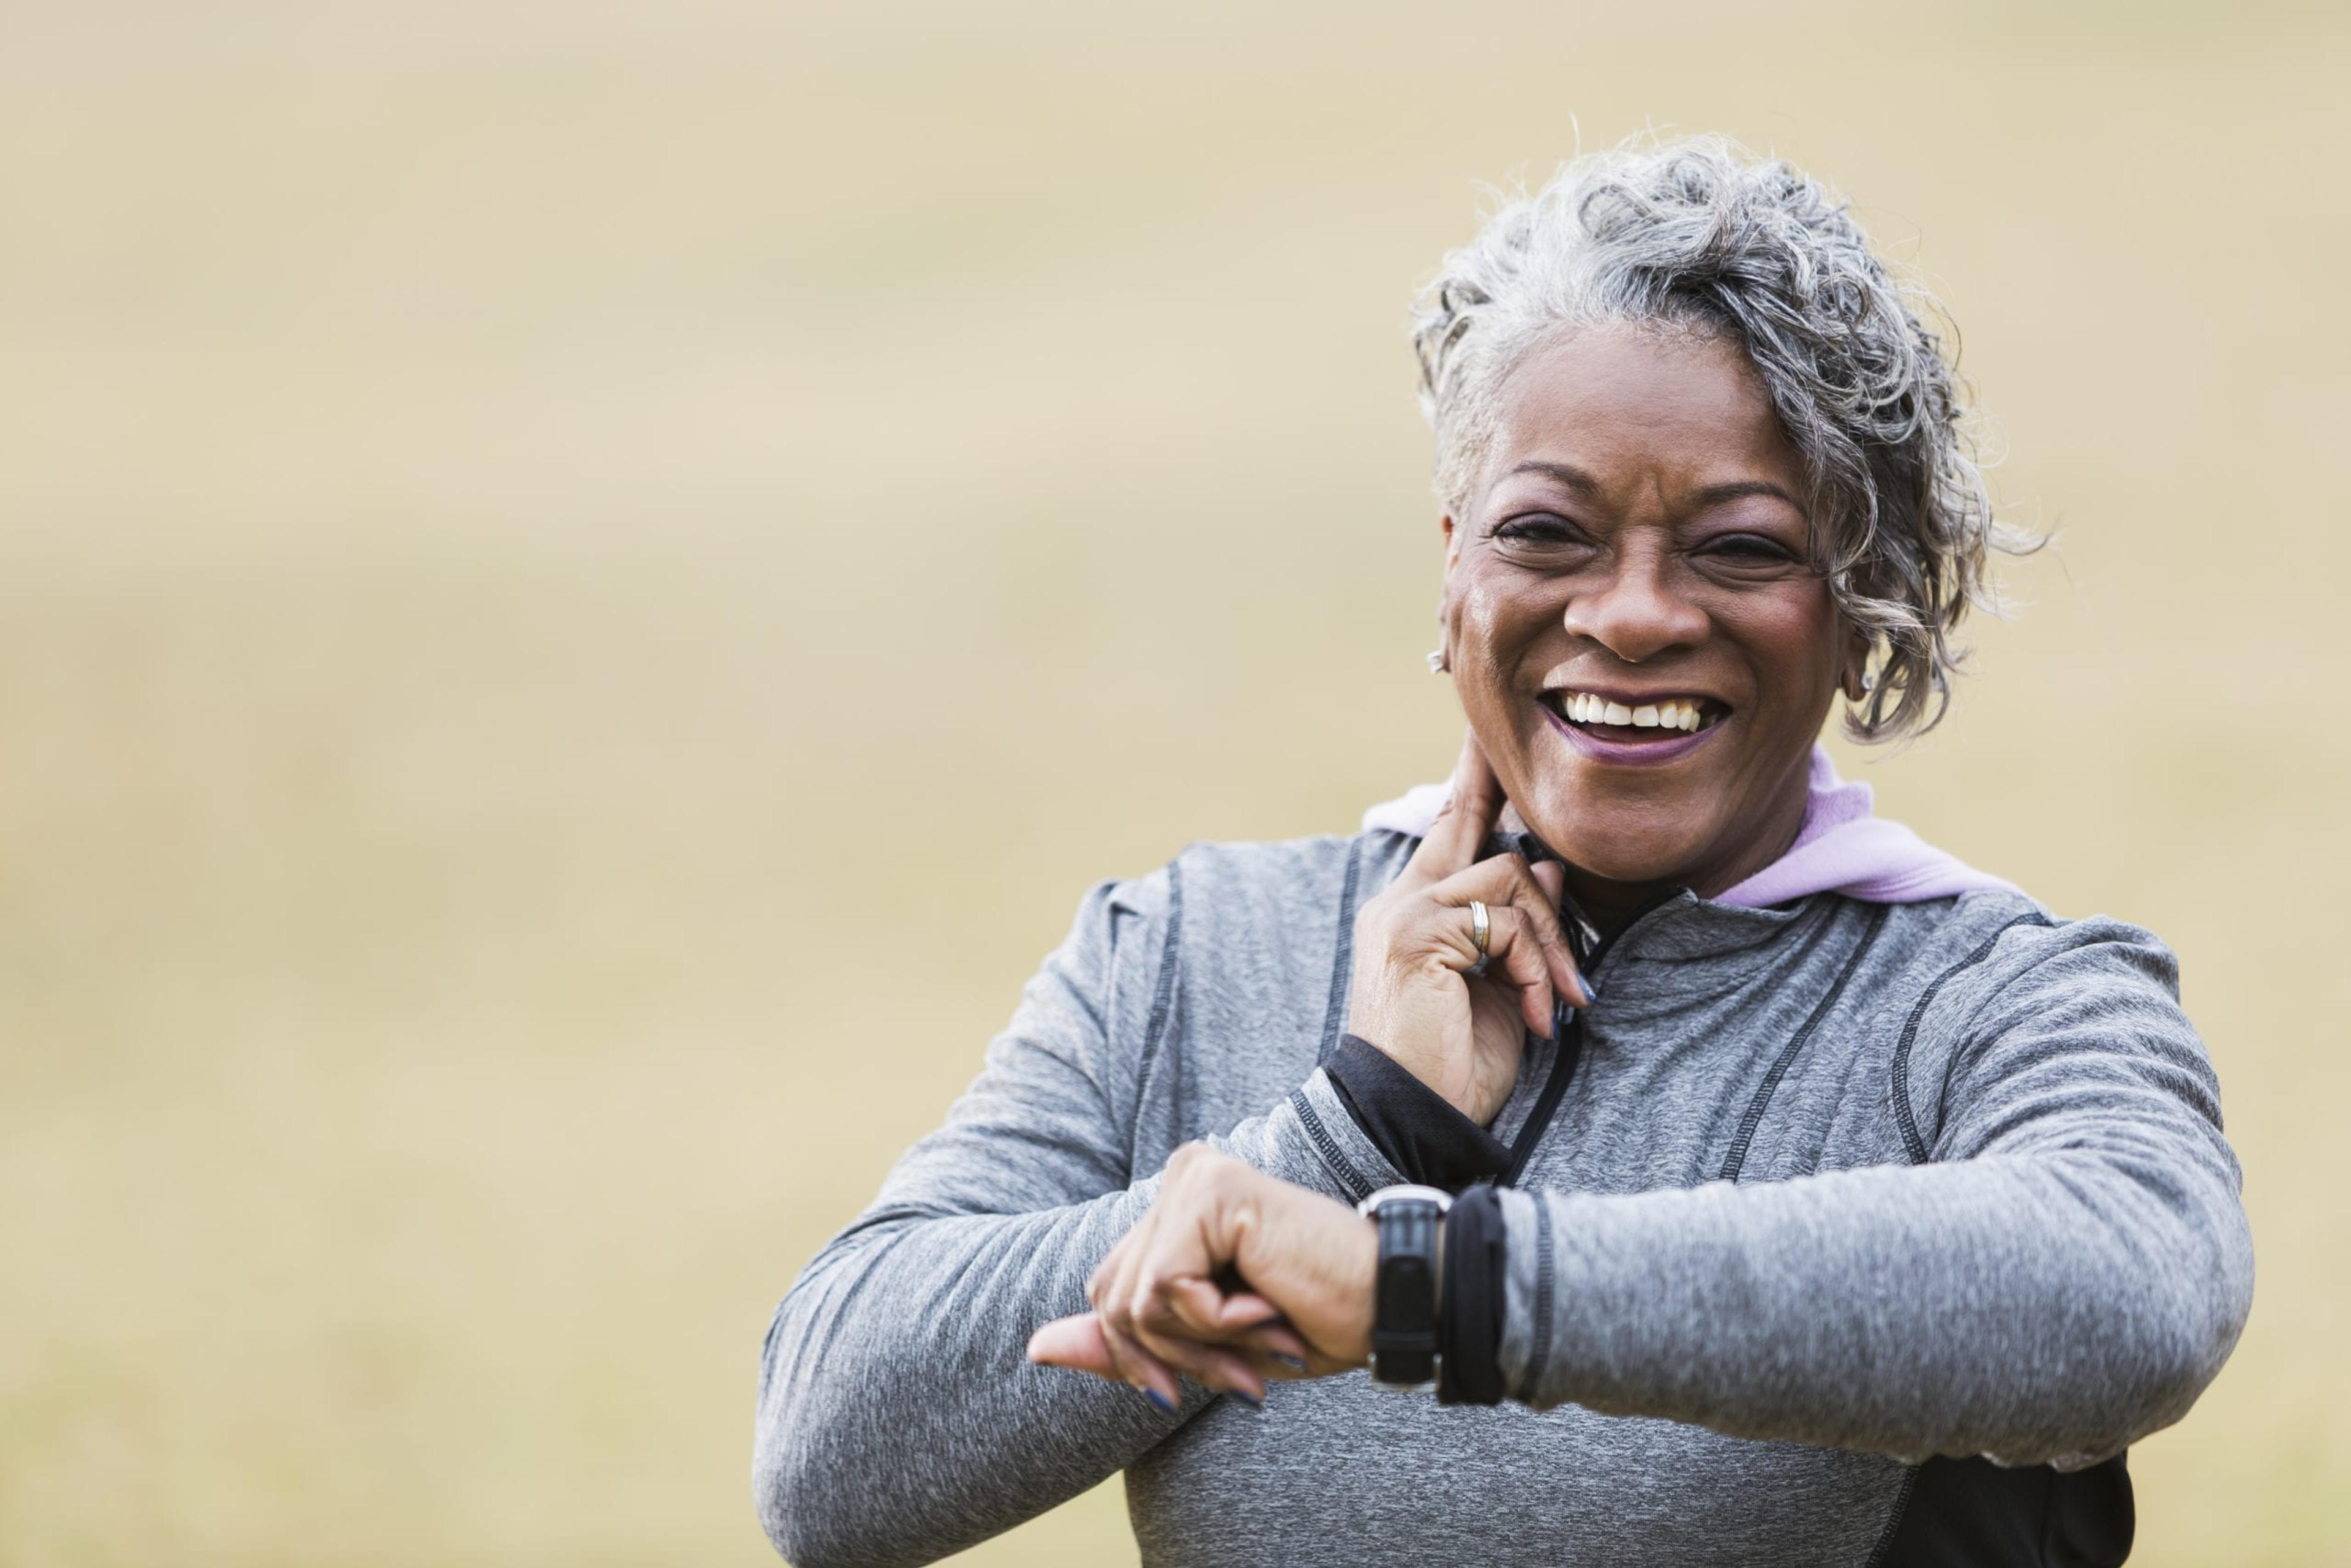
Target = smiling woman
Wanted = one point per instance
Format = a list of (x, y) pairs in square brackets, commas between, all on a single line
[(1869, 1219), (1639, 551)]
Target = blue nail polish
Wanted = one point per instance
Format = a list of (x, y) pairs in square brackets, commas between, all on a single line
[(1159, 1401), (1246, 1397), (1291, 1362), (1591, 987)]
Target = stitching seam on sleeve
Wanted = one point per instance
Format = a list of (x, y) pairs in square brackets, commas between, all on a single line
[(1357, 1186), (1748, 1123), (1342, 961), (1163, 995), (1903, 1115), (1539, 1351)]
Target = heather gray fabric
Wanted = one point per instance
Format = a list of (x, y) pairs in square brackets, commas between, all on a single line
[(1978, 1203)]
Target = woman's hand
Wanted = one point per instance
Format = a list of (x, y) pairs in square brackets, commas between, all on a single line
[(1414, 996), (1305, 1263)]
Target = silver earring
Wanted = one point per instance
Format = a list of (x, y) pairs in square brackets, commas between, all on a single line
[(1869, 680), (1436, 665)]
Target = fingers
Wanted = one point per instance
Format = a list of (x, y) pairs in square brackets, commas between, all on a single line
[(1168, 1302), (1109, 1288), (1225, 1370), (1515, 958), (1208, 1311), (1173, 1299), (1084, 1343), (1453, 841), (1449, 851), (1139, 1369), (1507, 881), (1143, 1339), (1075, 1343)]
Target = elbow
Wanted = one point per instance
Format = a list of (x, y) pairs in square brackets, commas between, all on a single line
[(2132, 1354), (779, 1492), (2194, 1316), (805, 1495), (817, 1481), (2171, 1337), (805, 1509)]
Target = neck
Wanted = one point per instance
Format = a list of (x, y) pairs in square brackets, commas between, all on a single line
[(1608, 903)]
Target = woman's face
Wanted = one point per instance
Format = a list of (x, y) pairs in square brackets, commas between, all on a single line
[(1633, 561)]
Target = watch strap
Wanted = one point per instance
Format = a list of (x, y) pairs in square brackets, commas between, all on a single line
[(1410, 1221)]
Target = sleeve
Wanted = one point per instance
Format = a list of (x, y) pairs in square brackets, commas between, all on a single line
[(1415, 1129), (2062, 1274), (899, 1419)]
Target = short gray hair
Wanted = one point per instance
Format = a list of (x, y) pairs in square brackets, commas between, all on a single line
[(1698, 233)]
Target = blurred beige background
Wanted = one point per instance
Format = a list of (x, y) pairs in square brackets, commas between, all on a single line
[(587, 586)]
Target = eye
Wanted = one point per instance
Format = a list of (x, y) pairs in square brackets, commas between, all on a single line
[(1748, 550), (1540, 536)]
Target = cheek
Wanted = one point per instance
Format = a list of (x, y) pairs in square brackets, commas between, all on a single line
[(1793, 641), (1495, 620)]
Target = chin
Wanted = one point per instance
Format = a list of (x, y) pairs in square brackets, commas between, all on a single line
[(1622, 840)]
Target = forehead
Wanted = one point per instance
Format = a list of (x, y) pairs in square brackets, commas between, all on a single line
[(1635, 406)]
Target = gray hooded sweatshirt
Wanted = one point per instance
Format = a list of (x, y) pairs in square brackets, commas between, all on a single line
[(1828, 1194)]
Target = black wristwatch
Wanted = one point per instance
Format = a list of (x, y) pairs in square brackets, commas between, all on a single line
[(1411, 1221)]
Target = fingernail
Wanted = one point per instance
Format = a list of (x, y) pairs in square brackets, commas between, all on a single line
[(1246, 1397), (1590, 988), (1159, 1401), (1291, 1362)]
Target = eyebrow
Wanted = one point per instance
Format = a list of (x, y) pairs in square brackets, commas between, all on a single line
[(1583, 484)]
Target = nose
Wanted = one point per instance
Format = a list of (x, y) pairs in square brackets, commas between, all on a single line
[(1637, 611)]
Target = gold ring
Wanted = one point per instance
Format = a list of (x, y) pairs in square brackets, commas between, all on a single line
[(1480, 928)]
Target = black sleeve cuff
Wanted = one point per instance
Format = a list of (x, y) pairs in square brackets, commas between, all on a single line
[(1422, 1136), (1470, 1301)]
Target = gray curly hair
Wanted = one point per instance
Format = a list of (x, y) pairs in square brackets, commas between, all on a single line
[(1697, 234)]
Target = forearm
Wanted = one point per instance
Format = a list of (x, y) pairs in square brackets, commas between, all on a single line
[(899, 1418), (2037, 1307), (898, 1421)]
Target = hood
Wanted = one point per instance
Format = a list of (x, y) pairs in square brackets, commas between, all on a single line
[(1841, 848)]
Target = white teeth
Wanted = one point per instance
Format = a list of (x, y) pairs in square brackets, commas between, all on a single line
[(1583, 707)]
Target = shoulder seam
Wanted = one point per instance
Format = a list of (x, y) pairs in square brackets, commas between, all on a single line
[(1905, 1117), (1737, 1159), (1342, 957), (1163, 996)]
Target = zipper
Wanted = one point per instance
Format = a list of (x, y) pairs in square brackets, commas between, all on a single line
[(1567, 1028)]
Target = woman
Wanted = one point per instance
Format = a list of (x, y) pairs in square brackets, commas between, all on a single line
[(1799, 1166)]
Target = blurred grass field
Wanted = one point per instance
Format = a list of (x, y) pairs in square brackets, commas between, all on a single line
[(587, 587)]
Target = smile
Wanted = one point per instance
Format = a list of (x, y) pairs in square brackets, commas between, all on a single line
[(1620, 729), (1588, 710)]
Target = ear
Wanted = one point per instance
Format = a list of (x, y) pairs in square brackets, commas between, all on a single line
[(1452, 537), (1851, 679)]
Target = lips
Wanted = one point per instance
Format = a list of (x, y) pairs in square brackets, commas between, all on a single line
[(1634, 729), (1637, 718)]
